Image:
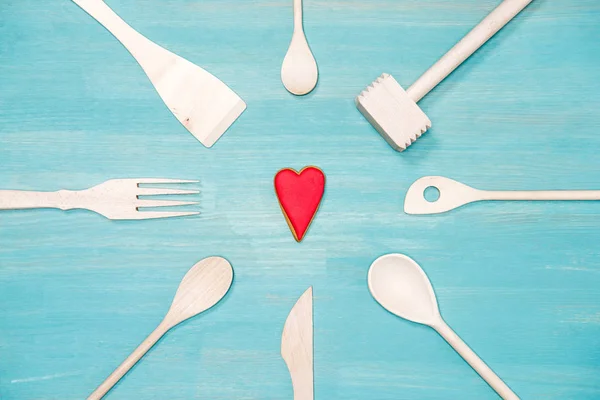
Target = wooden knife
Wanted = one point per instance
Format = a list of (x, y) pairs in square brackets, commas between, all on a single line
[(297, 346)]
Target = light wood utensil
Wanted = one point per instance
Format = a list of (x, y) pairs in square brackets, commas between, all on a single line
[(201, 288), (453, 194), (202, 103), (395, 113), (297, 346), (117, 199), (399, 284), (299, 72)]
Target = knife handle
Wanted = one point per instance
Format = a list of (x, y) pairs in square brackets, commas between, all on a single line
[(303, 384)]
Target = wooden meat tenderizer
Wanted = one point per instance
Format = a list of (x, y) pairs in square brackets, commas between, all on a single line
[(394, 112)]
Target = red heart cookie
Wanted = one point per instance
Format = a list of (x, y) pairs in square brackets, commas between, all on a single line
[(299, 195)]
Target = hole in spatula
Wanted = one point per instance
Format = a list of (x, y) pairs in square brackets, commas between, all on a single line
[(431, 194)]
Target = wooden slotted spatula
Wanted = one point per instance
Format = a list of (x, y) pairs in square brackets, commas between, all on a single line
[(453, 194), (202, 103), (204, 285)]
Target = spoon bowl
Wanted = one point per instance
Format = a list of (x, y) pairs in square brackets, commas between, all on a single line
[(203, 286), (452, 194), (299, 71), (399, 284)]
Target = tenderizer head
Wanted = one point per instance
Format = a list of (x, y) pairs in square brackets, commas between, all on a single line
[(398, 118)]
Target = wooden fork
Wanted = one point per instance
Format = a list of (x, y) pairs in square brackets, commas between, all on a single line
[(117, 199)]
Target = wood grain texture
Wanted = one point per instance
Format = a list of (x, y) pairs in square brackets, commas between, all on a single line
[(521, 114)]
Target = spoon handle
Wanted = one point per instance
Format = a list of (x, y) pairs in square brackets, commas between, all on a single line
[(298, 16), (475, 362), (541, 195), (122, 369)]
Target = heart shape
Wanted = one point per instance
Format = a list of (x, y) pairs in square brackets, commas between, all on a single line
[(299, 195)]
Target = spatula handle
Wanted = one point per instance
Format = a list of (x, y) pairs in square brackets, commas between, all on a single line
[(487, 28), (122, 369), (102, 13), (475, 362), (542, 195)]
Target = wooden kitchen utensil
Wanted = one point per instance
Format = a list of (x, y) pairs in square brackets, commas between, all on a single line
[(401, 287), (204, 285), (453, 194), (202, 103), (117, 199), (395, 113), (297, 346), (299, 72)]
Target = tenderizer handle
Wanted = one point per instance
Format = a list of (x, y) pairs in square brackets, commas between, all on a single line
[(487, 28), (475, 362)]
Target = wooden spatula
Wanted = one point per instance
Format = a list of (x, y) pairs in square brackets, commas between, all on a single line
[(201, 102)]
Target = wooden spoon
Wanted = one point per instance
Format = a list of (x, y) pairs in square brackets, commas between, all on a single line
[(453, 194), (399, 284), (299, 72), (201, 288)]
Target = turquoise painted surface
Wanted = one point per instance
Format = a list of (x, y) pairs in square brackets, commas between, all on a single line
[(519, 282)]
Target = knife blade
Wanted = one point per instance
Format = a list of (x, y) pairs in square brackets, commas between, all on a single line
[(297, 346)]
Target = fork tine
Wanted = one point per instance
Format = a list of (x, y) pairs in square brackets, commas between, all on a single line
[(159, 192), (159, 181), (164, 203), (164, 214)]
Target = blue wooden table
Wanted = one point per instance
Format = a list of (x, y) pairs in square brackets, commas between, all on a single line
[(520, 282)]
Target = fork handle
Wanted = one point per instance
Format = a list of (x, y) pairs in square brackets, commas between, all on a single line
[(22, 200)]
